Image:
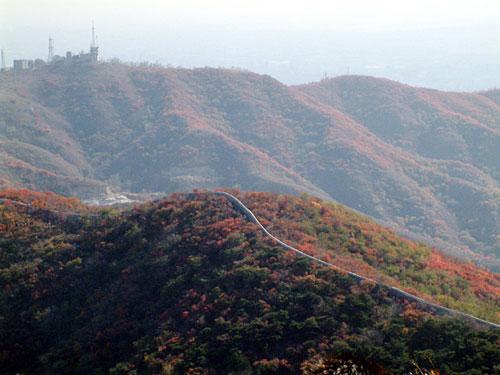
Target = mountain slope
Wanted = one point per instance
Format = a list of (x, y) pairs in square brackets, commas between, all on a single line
[(419, 160), (453, 138), (186, 284)]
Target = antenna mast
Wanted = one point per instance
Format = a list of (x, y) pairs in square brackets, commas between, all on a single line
[(94, 50), (93, 36), (51, 49)]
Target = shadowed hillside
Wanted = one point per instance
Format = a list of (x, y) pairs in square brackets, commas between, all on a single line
[(187, 284), (419, 160), (453, 140)]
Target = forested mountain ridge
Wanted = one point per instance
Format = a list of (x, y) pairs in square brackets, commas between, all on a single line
[(419, 160), (187, 284)]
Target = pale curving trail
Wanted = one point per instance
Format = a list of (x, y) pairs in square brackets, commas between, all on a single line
[(423, 304), (239, 206)]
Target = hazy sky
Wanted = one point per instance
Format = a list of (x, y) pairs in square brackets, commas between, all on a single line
[(290, 39), (366, 14)]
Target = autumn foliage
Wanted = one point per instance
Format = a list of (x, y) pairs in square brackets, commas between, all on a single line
[(186, 285), (421, 160)]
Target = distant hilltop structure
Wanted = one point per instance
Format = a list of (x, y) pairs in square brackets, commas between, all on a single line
[(90, 57)]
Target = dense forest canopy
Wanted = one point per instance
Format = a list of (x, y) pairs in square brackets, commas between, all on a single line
[(186, 285)]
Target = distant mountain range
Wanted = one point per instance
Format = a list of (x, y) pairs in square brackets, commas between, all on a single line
[(423, 161)]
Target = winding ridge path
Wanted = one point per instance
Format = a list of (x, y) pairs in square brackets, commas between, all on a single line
[(393, 291)]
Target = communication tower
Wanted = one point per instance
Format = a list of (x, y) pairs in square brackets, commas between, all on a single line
[(51, 50), (94, 49)]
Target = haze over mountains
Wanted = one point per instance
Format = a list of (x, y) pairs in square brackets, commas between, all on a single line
[(421, 160), (450, 45)]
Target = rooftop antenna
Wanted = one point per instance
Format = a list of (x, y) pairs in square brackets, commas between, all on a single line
[(51, 49), (3, 60), (93, 36), (94, 50)]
